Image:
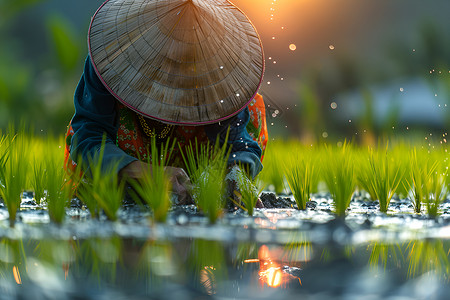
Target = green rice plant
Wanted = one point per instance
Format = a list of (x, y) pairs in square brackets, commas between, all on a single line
[(338, 174), (13, 172), (272, 174), (37, 183), (246, 190), (154, 188), (421, 171), (206, 167), (302, 177), (4, 156), (400, 154), (58, 191), (382, 177), (102, 190), (364, 175), (436, 192)]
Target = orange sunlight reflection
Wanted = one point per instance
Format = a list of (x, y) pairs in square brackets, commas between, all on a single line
[(271, 273), (65, 267), (17, 275)]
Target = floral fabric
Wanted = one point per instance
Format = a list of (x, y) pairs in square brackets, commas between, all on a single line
[(132, 139)]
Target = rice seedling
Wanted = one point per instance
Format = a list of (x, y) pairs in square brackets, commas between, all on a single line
[(382, 177), (4, 152), (364, 174), (206, 167), (13, 172), (436, 192), (302, 177), (272, 174), (338, 174), (37, 183), (400, 155), (154, 188), (102, 189), (58, 191), (421, 171), (246, 189)]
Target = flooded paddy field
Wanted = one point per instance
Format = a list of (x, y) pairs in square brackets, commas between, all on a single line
[(279, 253)]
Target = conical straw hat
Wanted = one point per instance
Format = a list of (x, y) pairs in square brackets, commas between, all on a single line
[(177, 61)]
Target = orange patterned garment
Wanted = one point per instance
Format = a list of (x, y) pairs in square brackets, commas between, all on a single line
[(133, 139)]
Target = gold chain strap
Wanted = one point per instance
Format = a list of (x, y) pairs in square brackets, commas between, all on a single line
[(152, 132)]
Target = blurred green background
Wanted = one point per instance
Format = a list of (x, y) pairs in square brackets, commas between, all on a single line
[(361, 69)]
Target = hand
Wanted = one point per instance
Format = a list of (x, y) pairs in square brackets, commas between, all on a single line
[(181, 184), (179, 180)]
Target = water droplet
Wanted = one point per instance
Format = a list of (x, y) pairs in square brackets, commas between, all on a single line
[(435, 95), (325, 134), (273, 38), (333, 105), (401, 89), (271, 124), (292, 47), (349, 121), (268, 82), (274, 61), (221, 67), (234, 155), (238, 95), (331, 47), (270, 57)]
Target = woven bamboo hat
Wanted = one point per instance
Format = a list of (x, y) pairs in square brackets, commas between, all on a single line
[(177, 61)]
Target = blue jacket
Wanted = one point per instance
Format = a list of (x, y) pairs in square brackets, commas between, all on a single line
[(96, 114)]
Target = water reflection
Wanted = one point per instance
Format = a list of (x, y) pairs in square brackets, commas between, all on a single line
[(203, 267)]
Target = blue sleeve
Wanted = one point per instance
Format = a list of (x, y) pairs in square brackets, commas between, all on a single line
[(244, 150), (95, 116)]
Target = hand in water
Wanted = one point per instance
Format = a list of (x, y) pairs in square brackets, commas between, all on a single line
[(180, 182)]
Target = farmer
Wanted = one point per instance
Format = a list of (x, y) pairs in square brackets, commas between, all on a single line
[(180, 69)]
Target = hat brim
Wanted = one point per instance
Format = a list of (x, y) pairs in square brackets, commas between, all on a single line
[(145, 54)]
